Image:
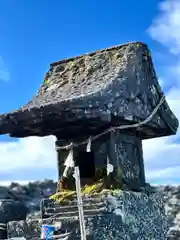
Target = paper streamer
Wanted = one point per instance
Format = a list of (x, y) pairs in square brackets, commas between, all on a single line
[(69, 163), (110, 167), (88, 148)]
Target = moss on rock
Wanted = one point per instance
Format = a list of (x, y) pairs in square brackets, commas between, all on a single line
[(98, 188)]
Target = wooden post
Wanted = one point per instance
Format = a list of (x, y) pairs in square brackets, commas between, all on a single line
[(80, 203)]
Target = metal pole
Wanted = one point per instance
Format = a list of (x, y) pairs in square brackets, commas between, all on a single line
[(80, 203)]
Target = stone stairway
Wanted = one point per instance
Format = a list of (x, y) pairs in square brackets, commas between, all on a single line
[(91, 206), (66, 217), (122, 218)]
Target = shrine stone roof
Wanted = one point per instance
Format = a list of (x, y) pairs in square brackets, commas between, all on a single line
[(88, 93)]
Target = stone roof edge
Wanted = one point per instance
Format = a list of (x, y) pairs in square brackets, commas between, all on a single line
[(95, 52)]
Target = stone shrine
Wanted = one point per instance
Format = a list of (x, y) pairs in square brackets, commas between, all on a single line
[(81, 97)]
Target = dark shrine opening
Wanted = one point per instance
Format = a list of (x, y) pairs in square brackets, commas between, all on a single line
[(86, 163), (90, 172)]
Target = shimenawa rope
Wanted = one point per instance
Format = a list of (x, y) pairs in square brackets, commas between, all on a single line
[(136, 125)]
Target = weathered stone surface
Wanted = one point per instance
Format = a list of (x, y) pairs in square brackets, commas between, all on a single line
[(31, 192), (12, 210), (113, 86), (123, 149), (6, 193), (127, 215), (172, 198), (30, 229)]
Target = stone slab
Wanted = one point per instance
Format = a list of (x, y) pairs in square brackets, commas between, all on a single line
[(127, 216)]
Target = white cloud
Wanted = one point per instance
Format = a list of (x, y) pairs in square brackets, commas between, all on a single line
[(162, 156), (28, 153), (4, 73), (165, 27)]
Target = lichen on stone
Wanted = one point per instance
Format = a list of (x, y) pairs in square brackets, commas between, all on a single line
[(95, 189)]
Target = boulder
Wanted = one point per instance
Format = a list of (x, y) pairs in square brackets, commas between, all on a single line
[(12, 210)]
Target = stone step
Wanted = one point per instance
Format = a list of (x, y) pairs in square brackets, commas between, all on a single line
[(73, 218), (76, 213), (86, 200), (62, 236), (72, 208), (90, 199)]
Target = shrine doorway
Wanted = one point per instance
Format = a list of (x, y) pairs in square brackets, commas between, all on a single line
[(86, 163)]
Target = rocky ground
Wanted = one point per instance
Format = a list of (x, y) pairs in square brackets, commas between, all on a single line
[(32, 193), (172, 205)]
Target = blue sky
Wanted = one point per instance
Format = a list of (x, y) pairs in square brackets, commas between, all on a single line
[(35, 33)]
